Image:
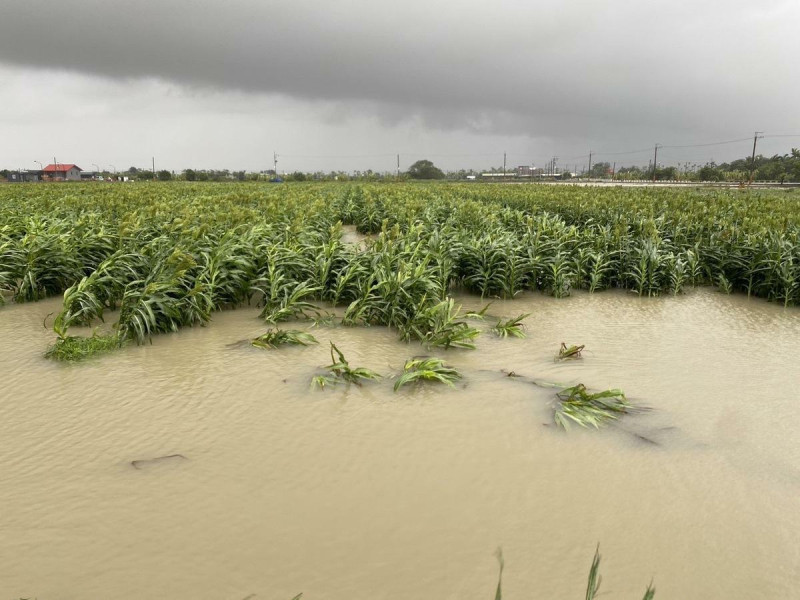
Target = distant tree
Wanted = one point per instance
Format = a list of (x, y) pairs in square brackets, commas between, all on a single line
[(710, 172), (772, 169), (296, 176), (133, 170), (632, 173), (164, 175), (424, 169), (666, 174), (190, 175), (600, 169), (145, 175)]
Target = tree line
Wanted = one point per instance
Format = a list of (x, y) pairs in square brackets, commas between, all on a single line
[(780, 167)]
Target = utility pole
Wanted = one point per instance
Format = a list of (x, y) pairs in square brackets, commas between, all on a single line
[(154, 168), (398, 166), (555, 160), (504, 166), (613, 170), (655, 162), (590, 164), (275, 163), (753, 158)]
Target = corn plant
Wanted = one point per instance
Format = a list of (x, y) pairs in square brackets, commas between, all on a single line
[(440, 326), (427, 369), (173, 255), (288, 301), (280, 337), (513, 327), (592, 584), (577, 405), (600, 265), (568, 352), (74, 348), (340, 371)]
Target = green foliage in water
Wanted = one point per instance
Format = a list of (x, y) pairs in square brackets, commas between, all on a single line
[(280, 337), (427, 369), (568, 352), (577, 405), (169, 255), (513, 327), (440, 326), (340, 371), (74, 348), (592, 585)]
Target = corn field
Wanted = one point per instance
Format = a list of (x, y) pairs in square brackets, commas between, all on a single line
[(167, 256)]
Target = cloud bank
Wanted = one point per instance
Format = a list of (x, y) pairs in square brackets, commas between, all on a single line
[(610, 75)]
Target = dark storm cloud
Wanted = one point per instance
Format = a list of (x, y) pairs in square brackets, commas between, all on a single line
[(576, 71)]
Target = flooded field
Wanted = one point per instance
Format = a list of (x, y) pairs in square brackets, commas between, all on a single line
[(271, 489)]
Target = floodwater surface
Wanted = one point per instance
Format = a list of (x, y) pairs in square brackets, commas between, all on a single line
[(197, 467)]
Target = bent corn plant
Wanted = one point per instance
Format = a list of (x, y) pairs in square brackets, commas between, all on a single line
[(427, 369)]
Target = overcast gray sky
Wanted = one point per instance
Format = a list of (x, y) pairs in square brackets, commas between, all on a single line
[(347, 84)]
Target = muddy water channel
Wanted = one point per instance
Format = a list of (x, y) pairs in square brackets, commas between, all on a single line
[(272, 489)]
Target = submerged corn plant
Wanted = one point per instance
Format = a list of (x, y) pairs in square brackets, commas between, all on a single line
[(440, 326), (280, 337), (427, 369), (478, 315), (592, 585), (567, 352), (340, 371), (577, 405), (513, 327), (498, 594), (72, 348)]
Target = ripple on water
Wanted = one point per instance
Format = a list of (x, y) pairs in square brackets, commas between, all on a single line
[(284, 489)]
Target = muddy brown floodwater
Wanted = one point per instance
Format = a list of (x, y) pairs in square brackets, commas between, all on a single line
[(267, 489)]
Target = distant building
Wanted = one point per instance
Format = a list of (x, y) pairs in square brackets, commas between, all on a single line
[(529, 171), (61, 172), (24, 176), (499, 175), (524, 171)]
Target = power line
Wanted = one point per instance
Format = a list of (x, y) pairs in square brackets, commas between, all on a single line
[(336, 155), (747, 139), (453, 155), (525, 158), (671, 146), (590, 155), (621, 153)]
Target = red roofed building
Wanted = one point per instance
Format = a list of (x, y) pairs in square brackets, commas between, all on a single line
[(63, 172)]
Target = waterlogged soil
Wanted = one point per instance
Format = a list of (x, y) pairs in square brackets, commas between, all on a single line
[(198, 467)]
